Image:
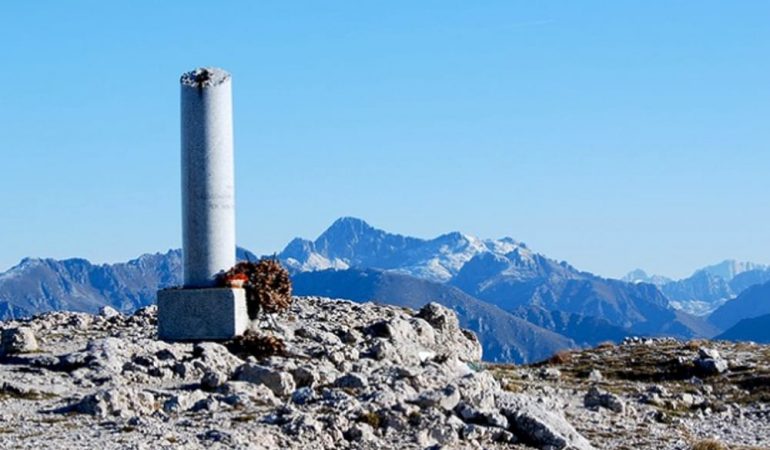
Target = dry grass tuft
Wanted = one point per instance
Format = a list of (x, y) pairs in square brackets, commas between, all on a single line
[(257, 345), (709, 444), (693, 345), (562, 357), (371, 418)]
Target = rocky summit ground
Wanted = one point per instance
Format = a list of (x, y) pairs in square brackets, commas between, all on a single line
[(365, 376), (656, 393)]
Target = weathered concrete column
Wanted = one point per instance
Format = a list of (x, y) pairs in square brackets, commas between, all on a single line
[(208, 198), (200, 310)]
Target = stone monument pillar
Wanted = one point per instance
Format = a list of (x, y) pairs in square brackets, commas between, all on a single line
[(208, 210), (200, 310)]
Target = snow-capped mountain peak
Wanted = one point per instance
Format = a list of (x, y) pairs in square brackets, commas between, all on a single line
[(351, 242), (730, 268)]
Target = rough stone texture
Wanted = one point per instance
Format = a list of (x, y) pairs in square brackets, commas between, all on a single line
[(710, 362), (208, 181), (595, 399), (539, 426), (195, 314), (108, 383), (281, 383), (105, 381), (17, 340), (108, 312), (653, 395)]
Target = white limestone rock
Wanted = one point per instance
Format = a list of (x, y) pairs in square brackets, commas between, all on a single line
[(280, 382), (18, 340), (544, 428)]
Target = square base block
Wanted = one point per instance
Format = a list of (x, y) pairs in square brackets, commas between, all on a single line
[(201, 314)]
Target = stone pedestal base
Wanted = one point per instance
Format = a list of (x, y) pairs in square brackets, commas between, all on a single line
[(201, 314)]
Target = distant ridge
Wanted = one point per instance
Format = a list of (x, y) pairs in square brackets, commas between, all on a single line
[(708, 288), (756, 329), (753, 302), (504, 337), (504, 272), (497, 286)]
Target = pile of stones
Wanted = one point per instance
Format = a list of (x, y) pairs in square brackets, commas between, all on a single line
[(352, 375)]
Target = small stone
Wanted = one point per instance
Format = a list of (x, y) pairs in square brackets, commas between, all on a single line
[(281, 383), (216, 436), (493, 419), (352, 381), (213, 379), (360, 432), (658, 389), (686, 399), (712, 366), (122, 402), (440, 317), (302, 395), (446, 398), (549, 373), (183, 401), (108, 312), (466, 412), (504, 436), (708, 353), (242, 392), (205, 404), (165, 355), (472, 432), (18, 340), (595, 398), (382, 350), (305, 376), (652, 398), (595, 375), (214, 356)]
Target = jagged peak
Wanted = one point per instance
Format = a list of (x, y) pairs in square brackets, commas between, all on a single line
[(456, 237), (299, 242), (26, 263), (298, 247), (729, 268), (349, 222)]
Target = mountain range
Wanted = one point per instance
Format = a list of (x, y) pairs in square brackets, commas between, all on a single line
[(503, 272), (708, 288), (523, 305), (504, 337)]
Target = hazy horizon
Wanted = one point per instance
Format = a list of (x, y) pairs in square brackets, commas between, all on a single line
[(611, 136)]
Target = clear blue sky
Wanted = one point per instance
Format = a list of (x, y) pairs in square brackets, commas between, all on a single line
[(612, 135)]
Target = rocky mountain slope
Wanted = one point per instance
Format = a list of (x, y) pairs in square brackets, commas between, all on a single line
[(40, 285), (657, 393), (756, 329), (586, 331), (366, 376), (708, 288), (504, 337), (355, 376), (753, 302)]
